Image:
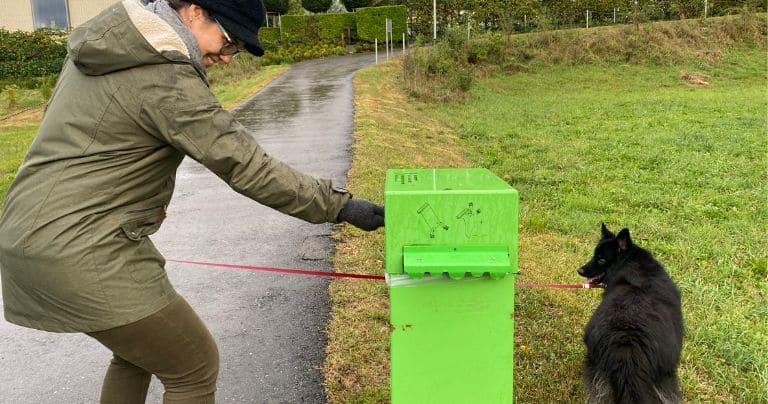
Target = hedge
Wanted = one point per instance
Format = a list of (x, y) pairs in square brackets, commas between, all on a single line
[(371, 22), (310, 29), (331, 26), (298, 29), (25, 55), (269, 37)]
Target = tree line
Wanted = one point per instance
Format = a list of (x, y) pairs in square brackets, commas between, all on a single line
[(525, 15)]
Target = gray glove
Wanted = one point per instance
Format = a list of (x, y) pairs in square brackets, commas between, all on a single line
[(362, 214)]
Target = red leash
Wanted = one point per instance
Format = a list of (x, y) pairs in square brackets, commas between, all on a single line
[(365, 276), (560, 286), (282, 270)]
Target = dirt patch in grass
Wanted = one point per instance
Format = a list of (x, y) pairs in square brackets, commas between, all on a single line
[(694, 79), (22, 118)]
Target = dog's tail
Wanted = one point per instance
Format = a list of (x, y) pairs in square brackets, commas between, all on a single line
[(635, 379)]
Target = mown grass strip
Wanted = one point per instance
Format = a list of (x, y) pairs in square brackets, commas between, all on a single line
[(390, 132), (231, 93)]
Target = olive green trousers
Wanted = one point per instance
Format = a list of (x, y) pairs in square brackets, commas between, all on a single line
[(172, 344)]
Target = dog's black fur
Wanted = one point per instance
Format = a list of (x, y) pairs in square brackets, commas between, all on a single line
[(634, 338)]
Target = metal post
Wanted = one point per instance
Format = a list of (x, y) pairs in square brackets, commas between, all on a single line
[(386, 44), (587, 18), (635, 15), (376, 49), (389, 39), (434, 19), (614, 15), (705, 8), (403, 42), (467, 30)]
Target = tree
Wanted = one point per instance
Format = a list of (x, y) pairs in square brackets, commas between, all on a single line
[(353, 4), (317, 6), (276, 6)]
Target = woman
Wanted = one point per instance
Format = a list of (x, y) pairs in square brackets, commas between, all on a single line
[(131, 101)]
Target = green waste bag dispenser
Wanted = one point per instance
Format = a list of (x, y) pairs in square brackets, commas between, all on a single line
[(451, 260)]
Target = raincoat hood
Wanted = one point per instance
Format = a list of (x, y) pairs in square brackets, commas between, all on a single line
[(124, 36)]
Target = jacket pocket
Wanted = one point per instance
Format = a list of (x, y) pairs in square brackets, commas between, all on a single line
[(144, 263), (142, 223)]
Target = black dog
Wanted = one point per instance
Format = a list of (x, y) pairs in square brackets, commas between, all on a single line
[(634, 338)]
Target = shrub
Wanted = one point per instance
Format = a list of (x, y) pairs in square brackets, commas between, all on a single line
[(485, 49), (297, 29), (371, 23), (311, 29), (277, 6), (12, 95), (446, 69), (26, 55), (331, 26), (269, 37), (441, 71), (299, 52), (317, 6), (46, 84)]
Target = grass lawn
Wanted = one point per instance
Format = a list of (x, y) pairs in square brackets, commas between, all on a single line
[(682, 166), (231, 93), (14, 142)]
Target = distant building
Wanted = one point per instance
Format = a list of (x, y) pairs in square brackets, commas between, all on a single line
[(29, 15)]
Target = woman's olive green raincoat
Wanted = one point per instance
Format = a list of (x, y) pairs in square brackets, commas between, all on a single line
[(129, 104)]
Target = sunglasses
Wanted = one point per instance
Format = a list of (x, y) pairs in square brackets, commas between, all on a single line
[(231, 47)]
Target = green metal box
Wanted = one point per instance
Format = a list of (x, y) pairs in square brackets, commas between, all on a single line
[(451, 257)]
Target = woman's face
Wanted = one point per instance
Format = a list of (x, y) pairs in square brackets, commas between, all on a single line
[(210, 37)]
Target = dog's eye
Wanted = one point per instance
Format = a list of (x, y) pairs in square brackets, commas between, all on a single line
[(601, 261)]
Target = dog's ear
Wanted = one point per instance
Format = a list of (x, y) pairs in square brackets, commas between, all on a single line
[(605, 232), (624, 240)]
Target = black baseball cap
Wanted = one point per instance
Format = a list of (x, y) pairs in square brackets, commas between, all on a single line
[(240, 18)]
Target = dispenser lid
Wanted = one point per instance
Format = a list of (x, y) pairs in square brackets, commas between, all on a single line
[(456, 261)]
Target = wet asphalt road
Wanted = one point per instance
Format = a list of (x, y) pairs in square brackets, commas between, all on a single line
[(270, 327)]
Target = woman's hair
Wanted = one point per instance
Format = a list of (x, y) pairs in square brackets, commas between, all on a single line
[(178, 4)]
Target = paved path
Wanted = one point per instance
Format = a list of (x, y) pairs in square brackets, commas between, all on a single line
[(270, 327)]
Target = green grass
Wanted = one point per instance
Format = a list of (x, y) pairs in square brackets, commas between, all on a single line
[(232, 87), (635, 146), (23, 98), (684, 167), (14, 142)]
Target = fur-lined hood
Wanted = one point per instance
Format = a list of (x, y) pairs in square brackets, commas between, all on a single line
[(123, 36)]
